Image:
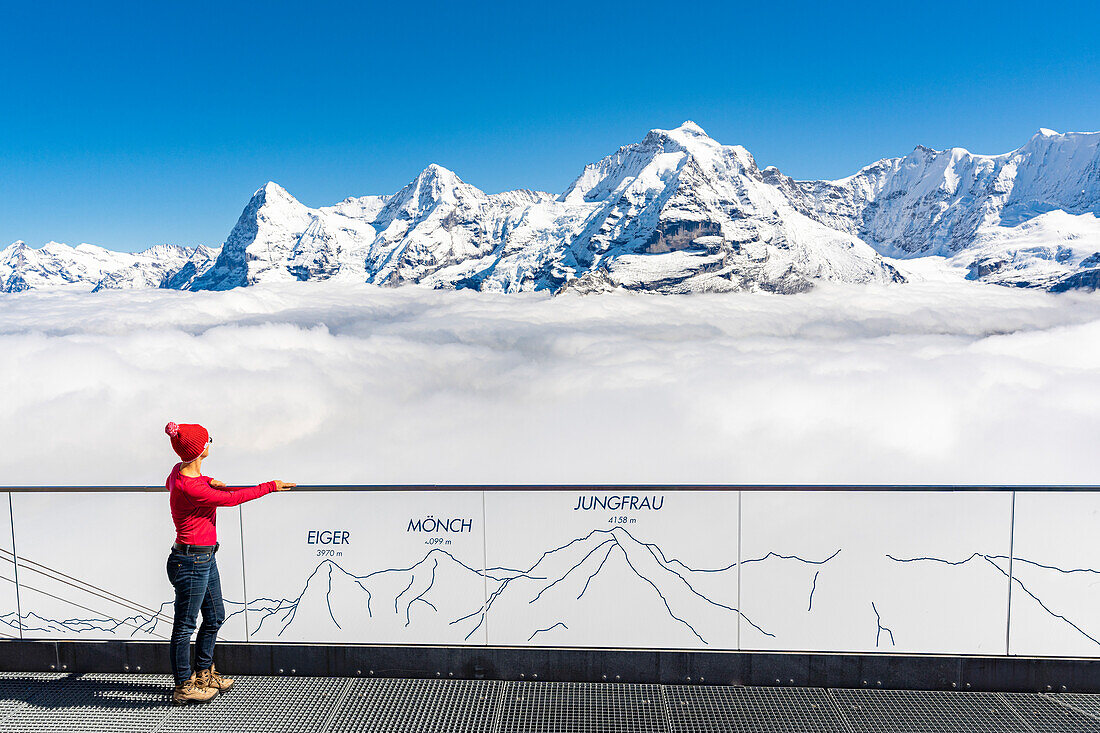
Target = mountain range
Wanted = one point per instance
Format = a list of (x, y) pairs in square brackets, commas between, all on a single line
[(676, 212), (568, 589)]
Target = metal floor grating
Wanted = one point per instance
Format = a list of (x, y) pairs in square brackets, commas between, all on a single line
[(696, 709), (98, 703), (912, 711), (576, 707), (1044, 715), (17, 688), (417, 706), (45, 676), (1087, 704), (93, 703), (261, 705)]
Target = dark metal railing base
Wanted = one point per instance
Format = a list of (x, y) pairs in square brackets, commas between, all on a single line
[(769, 669)]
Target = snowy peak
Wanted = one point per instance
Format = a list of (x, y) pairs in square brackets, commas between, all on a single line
[(257, 244), (274, 203), (650, 163), (690, 128), (679, 212), (437, 183), (434, 186), (435, 172), (1069, 144), (272, 193), (270, 197), (270, 203), (655, 162), (708, 152), (686, 135)]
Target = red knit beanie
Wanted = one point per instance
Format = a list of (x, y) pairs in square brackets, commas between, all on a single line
[(188, 441)]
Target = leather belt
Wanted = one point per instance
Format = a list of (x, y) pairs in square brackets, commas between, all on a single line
[(195, 549)]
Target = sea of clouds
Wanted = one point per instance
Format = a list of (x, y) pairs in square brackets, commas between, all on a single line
[(935, 382)]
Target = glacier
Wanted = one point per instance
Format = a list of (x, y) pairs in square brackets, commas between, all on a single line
[(676, 212)]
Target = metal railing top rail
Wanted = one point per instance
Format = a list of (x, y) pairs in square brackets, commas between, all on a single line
[(604, 487)]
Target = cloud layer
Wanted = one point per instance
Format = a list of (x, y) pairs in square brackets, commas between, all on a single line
[(331, 383)]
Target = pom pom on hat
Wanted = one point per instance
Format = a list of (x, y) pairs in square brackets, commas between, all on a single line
[(172, 429)]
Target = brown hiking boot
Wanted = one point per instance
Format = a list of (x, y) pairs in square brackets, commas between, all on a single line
[(209, 678), (190, 692)]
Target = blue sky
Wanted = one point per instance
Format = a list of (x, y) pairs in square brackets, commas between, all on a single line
[(127, 125)]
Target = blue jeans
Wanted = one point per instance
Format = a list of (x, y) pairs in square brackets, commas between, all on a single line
[(198, 587)]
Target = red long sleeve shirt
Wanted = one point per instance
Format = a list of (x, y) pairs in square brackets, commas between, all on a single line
[(194, 503)]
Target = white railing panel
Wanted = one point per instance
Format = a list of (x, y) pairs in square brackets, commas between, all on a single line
[(1056, 571), (864, 571), (386, 567), (93, 565), (9, 603), (629, 568)]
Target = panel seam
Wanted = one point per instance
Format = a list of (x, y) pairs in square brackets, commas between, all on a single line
[(1012, 709), (326, 724), (244, 576), (15, 564), (740, 612), (1011, 555), (485, 568)]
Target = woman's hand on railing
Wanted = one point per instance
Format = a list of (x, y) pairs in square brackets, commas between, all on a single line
[(282, 486), (215, 484)]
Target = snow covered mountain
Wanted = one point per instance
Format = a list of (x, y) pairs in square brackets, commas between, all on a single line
[(679, 212), (934, 202), (89, 267), (675, 212)]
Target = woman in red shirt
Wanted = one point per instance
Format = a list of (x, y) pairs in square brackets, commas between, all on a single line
[(192, 569)]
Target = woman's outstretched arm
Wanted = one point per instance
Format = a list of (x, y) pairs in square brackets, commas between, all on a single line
[(203, 494)]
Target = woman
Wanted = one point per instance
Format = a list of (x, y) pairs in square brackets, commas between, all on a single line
[(194, 499)]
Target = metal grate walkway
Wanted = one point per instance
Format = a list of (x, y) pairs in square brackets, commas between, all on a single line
[(110, 702)]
